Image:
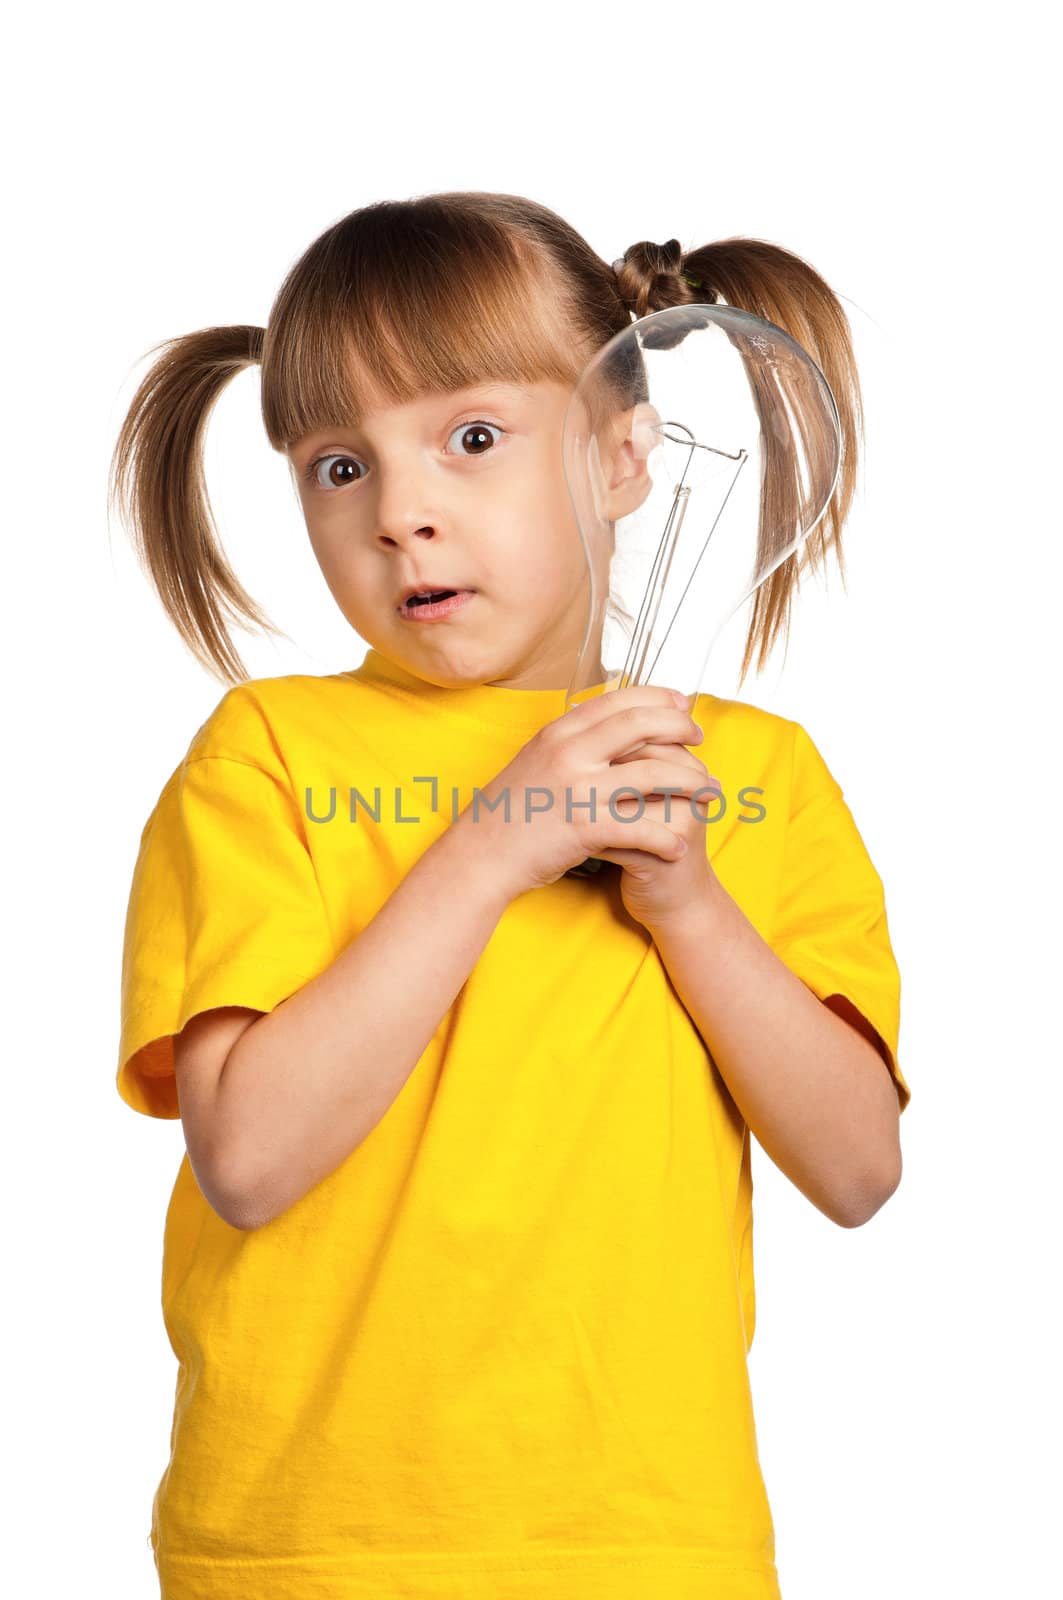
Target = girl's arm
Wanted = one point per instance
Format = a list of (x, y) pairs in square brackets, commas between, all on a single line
[(272, 1105), (305, 1083), (814, 1090)]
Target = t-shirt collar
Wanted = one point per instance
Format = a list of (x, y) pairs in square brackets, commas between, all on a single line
[(481, 702)]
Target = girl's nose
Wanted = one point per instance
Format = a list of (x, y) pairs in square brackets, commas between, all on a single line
[(405, 535), (405, 512)]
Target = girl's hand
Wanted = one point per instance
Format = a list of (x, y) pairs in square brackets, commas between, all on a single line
[(653, 890), (553, 779)]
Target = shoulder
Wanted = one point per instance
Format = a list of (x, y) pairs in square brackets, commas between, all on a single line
[(239, 761), (257, 721), (760, 748), (743, 725), (249, 742)]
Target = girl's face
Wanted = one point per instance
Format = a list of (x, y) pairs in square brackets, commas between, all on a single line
[(463, 491)]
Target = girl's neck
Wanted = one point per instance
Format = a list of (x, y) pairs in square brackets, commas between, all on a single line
[(486, 702)]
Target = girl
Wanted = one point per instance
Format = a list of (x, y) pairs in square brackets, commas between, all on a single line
[(458, 1267)]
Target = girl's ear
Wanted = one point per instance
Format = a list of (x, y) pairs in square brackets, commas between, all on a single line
[(627, 476)]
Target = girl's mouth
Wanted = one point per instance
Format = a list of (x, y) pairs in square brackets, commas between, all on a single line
[(443, 603)]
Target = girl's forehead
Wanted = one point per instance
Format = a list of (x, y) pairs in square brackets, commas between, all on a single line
[(523, 395)]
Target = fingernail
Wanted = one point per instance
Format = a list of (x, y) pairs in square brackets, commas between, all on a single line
[(683, 701)]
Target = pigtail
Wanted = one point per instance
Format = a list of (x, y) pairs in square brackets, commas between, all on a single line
[(779, 286), (157, 483)]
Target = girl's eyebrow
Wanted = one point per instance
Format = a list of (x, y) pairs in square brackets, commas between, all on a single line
[(488, 387)]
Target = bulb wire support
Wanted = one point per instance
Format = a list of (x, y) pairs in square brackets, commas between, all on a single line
[(642, 634)]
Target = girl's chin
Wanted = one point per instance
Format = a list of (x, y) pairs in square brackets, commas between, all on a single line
[(466, 669), (501, 648)]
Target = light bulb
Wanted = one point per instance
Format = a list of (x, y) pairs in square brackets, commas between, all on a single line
[(701, 447)]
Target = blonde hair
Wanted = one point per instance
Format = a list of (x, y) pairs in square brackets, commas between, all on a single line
[(440, 292)]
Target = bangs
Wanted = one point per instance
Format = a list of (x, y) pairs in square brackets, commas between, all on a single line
[(403, 299)]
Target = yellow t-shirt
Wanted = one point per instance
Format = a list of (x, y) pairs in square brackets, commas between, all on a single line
[(501, 1349)]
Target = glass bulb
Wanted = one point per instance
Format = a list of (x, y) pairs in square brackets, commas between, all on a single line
[(701, 447)]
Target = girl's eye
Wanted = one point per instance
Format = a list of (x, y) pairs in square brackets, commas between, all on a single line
[(337, 475), (476, 436), (334, 472)]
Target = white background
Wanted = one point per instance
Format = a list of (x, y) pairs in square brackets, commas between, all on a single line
[(164, 169)]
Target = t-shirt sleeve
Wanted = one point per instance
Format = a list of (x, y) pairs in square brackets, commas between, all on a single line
[(224, 910), (831, 927)]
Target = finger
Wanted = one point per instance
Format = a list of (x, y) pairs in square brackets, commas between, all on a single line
[(687, 814), (589, 713), (648, 774), (626, 730), (634, 860), (660, 751), (698, 806), (645, 861), (637, 837)]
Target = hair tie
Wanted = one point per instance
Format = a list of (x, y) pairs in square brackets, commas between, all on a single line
[(695, 283)]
